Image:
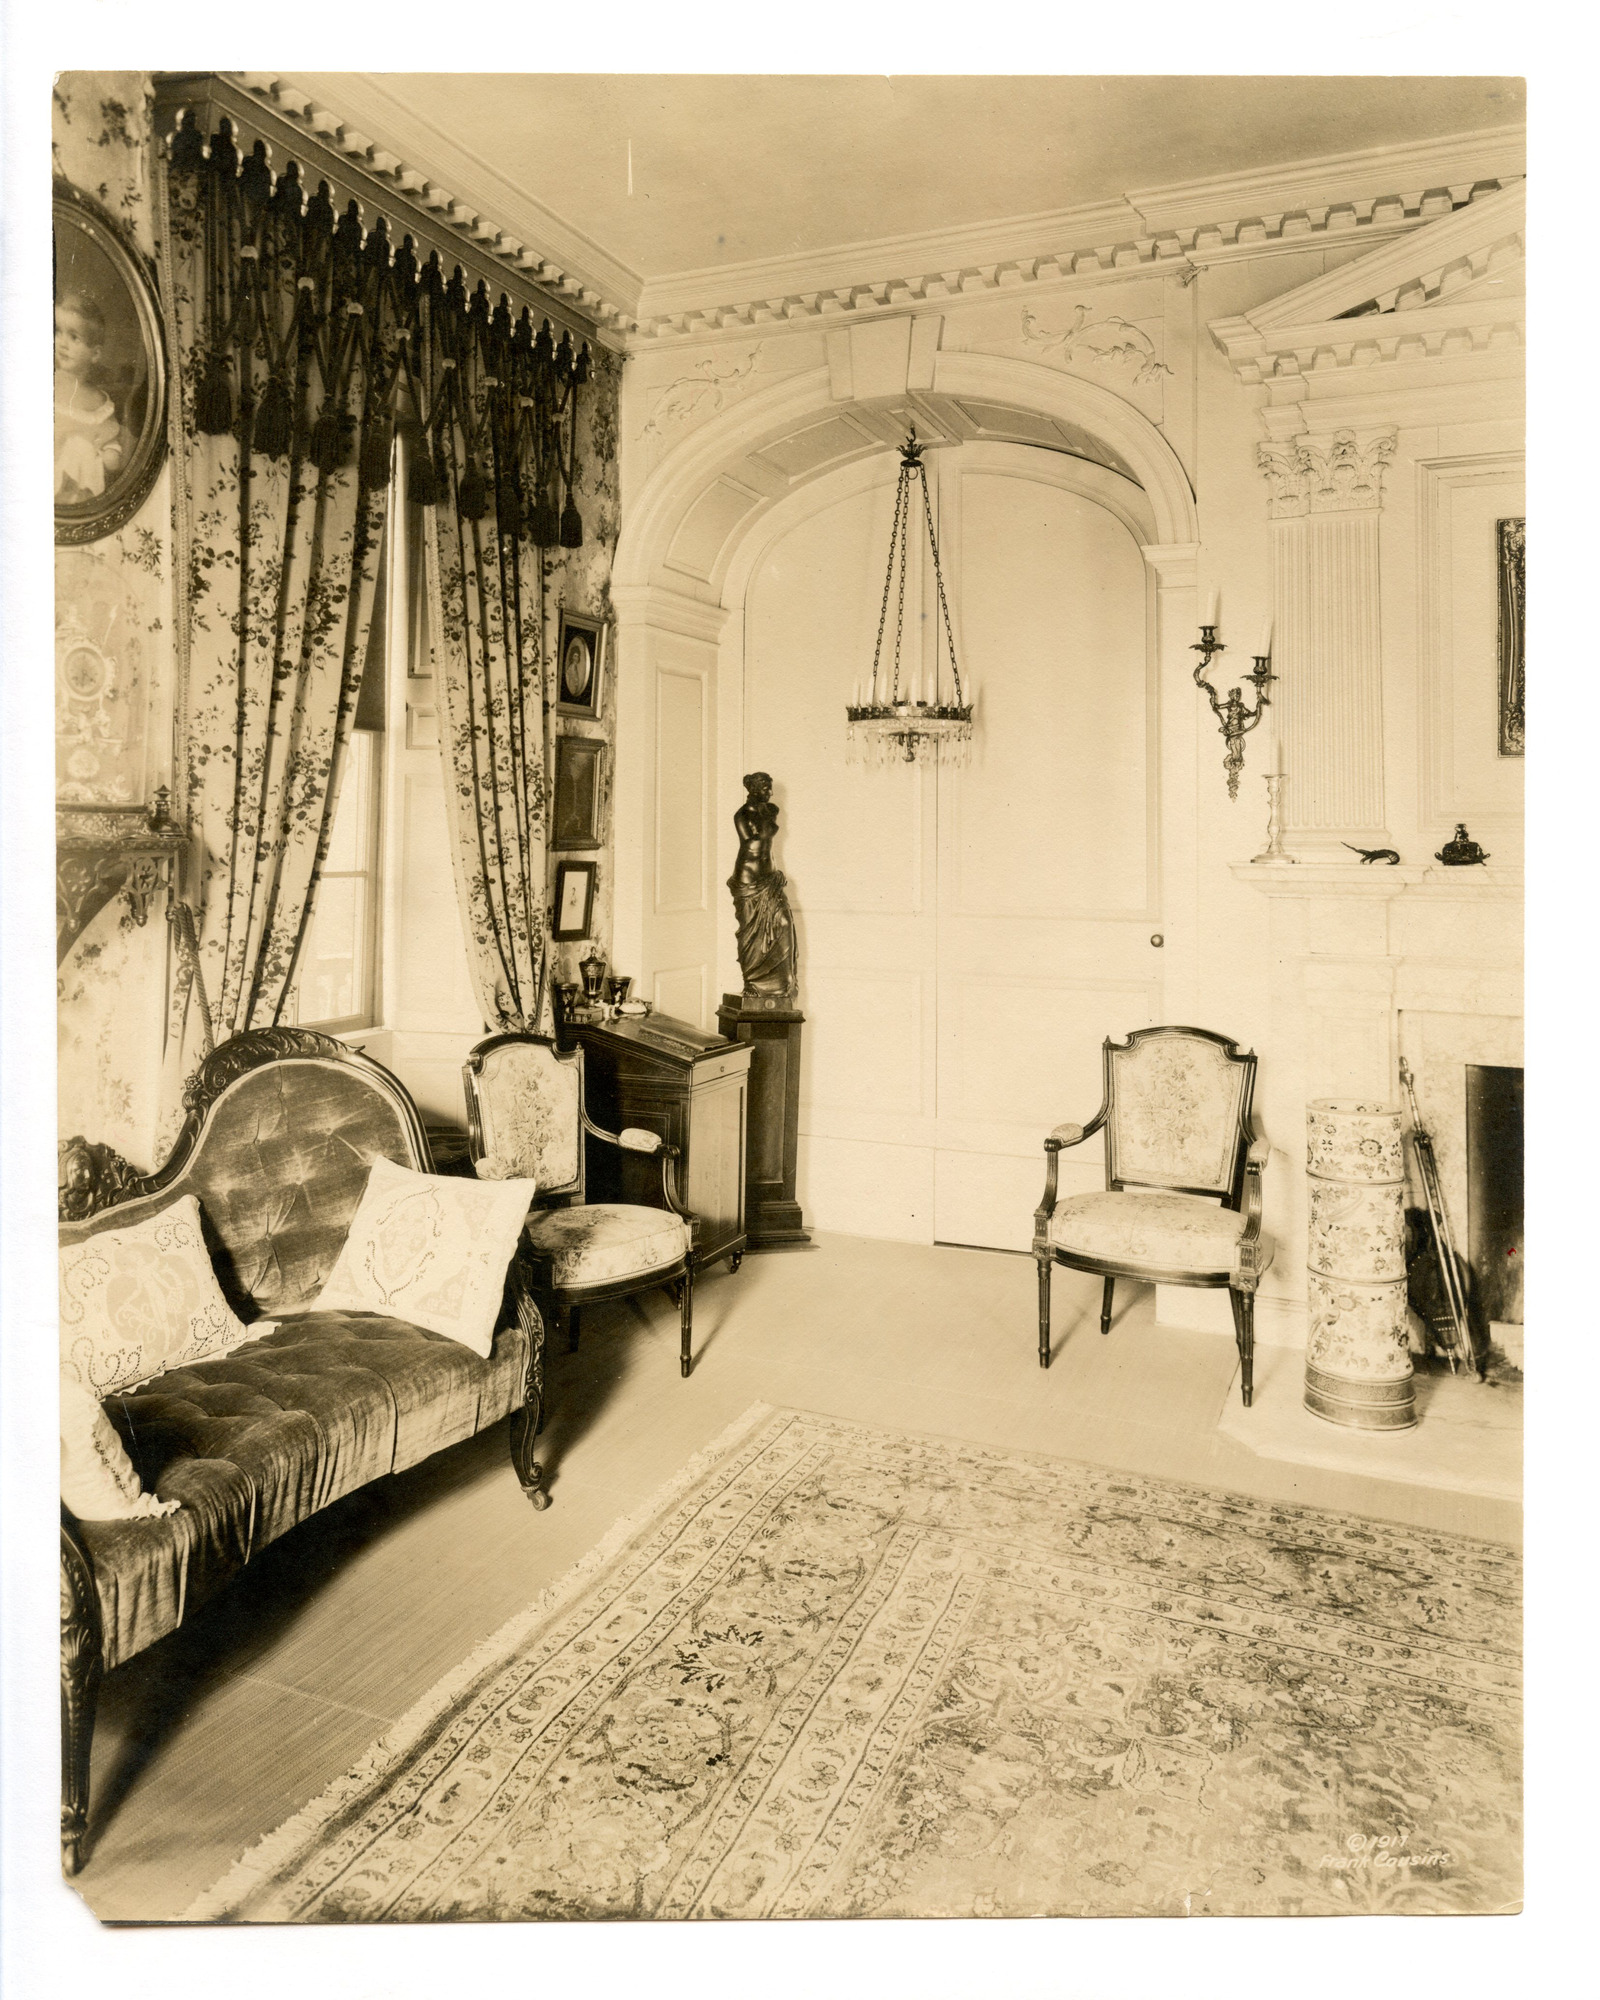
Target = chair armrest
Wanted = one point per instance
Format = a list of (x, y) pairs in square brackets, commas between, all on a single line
[(632, 1138), (1063, 1135), (1255, 1161)]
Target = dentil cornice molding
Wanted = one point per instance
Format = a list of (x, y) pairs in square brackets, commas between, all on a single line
[(1369, 197), (1339, 472), (1450, 290)]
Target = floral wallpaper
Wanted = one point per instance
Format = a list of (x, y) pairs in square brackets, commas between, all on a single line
[(114, 723)]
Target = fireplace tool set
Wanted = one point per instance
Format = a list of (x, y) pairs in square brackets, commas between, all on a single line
[(1451, 1326)]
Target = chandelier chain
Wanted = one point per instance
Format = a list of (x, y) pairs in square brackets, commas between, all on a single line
[(944, 608), (888, 582)]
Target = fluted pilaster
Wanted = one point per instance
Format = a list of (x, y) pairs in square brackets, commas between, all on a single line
[(1325, 496)]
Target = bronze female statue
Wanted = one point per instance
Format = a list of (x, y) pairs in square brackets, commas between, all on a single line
[(766, 927)]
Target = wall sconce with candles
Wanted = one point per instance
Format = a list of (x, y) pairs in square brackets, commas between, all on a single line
[(1234, 717)]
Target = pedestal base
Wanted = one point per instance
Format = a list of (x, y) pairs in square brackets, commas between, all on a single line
[(770, 1027), (1361, 1406)]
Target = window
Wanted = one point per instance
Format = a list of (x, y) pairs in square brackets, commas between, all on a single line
[(338, 984)]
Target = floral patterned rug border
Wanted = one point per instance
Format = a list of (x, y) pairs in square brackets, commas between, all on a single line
[(831, 1670)]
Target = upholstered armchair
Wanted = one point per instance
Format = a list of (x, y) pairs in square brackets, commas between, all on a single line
[(1182, 1200), (526, 1117)]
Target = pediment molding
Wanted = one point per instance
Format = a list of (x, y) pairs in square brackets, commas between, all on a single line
[(1449, 289)]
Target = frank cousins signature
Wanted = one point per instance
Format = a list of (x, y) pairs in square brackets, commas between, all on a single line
[(1363, 1852)]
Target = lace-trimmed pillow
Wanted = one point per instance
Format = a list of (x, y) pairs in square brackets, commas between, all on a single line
[(140, 1300), (432, 1249), (98, 1482)]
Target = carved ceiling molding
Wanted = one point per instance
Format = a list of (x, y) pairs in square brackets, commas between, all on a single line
[(1150, 231), (1365, 222), (1337, 472)]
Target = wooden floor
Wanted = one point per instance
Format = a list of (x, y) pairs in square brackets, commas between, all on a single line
[(211, 1739)]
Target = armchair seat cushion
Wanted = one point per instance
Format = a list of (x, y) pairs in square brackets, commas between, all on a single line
[(606, 1241), (259, 1439), (1161, 1234)]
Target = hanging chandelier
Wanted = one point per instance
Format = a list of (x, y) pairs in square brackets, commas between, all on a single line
[(894, 718)]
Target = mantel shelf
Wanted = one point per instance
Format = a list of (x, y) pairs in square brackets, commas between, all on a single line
[(1376, 879)]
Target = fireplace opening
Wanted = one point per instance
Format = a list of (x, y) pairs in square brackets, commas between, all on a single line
[(1494, 1189)]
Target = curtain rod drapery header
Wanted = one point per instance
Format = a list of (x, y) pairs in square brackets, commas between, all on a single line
[(211, 96)]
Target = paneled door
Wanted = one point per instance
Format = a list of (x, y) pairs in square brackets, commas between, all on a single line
[(1048, 881), (968, 938)]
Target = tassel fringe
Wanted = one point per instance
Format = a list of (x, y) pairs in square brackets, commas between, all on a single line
[(213, 397)]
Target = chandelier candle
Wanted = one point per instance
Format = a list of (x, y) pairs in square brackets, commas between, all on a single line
[(894, 721)]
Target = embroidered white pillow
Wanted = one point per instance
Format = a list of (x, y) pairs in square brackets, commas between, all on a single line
[(140, 1300), (98, 1482), (432, 1249)]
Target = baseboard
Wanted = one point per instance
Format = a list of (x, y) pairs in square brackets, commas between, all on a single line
[(1279, 1322)]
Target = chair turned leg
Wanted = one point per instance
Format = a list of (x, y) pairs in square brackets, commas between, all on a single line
[(1105, 1305), (1044, 1310), (80, 1690), (1244, 1333), (686, 1319)]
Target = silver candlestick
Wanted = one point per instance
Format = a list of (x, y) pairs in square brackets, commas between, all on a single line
[(1273, 854)]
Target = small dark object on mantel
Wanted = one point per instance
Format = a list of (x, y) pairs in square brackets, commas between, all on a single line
[(1385, 855), (1461, 852)]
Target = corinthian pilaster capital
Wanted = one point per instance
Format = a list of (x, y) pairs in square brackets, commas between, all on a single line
[(1335, 472)]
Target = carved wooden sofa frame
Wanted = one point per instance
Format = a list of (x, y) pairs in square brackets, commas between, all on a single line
[(293, 1114)]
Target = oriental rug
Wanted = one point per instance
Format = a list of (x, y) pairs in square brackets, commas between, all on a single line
[(841, 1672)]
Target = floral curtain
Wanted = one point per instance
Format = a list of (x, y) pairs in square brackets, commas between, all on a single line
[(306, 343), (496, 452), (286, 362)]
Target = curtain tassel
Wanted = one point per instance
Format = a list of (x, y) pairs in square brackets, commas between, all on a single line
[(213, 397), (472, 496), (328, 440), (273, 428), (571, 526), (377, 448)]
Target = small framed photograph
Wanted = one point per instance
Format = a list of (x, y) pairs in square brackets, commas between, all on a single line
[(575, 820), (574, 909), (110, 372), (580, 658)]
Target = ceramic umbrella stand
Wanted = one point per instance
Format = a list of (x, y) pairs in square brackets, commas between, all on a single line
[(1358, 1361)]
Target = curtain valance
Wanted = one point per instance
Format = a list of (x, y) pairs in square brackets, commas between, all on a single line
[(320, 337)]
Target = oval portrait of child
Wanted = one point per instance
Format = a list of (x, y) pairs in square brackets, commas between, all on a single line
[(110, 372)]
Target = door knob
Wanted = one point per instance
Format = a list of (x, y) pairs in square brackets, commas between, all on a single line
[(1157, 939)]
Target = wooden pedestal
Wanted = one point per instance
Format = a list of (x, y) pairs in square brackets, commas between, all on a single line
[(669, 1077), (772, 1215)]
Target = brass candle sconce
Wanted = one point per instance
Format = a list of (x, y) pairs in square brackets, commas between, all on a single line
[(1234, 716)]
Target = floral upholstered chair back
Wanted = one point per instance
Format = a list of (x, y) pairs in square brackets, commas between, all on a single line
[(1179, 1102), (526, 1099)]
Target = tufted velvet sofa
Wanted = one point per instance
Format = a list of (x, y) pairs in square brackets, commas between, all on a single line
[(282, 1126)]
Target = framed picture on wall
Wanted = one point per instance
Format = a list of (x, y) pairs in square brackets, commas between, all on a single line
[(580, 661), (110, 371), (574, 910), (575, 821)]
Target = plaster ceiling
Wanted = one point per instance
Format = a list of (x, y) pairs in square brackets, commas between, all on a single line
[(727, 169)]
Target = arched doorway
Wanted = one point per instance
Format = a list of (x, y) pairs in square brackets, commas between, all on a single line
[(967, 940)]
